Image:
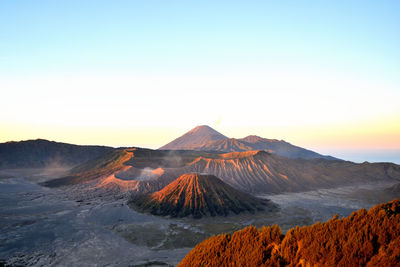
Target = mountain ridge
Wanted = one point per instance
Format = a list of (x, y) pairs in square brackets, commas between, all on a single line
[(193, 140), (108, 164), (264, 172), (40, 153), (254, 172)]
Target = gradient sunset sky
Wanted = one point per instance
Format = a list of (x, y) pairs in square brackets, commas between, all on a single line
[(324, 75)]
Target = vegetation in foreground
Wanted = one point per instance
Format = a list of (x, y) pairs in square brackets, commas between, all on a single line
[(365, 238)]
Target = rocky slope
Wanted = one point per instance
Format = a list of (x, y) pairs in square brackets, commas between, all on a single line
[(394, 190), (198, 195), (134, 170), (263, 172), (227, 145), (363, 239), (258, 172), (103, 166), (282, 148)]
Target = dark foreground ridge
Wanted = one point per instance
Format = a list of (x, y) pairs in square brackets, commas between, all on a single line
[(41, 153), (198, 195), (365, 238)]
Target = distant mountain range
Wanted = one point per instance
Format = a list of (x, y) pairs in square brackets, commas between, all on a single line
[(41, 153), (198, 195), (249, 171), (145, 170), (204, 138), (264, 172)]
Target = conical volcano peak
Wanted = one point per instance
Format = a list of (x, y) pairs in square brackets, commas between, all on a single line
[(198, 195), (194, 138), (205, 138), (203, 129), (194, 184)]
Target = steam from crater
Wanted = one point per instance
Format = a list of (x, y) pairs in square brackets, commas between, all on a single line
[(148, 174)]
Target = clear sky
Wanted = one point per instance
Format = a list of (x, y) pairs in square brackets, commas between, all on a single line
[(320, 74)]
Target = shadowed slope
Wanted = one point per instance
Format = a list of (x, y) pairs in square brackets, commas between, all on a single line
[(41, 153), (282, 148), (363, 239), (394, 190), (253, 142), (198, 195)]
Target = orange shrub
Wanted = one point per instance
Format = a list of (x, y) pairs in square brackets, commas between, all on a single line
[(365, 238)]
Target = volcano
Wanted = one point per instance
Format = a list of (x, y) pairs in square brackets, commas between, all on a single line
[(254, 172), (196, 137), (204, 138), (198, 195)]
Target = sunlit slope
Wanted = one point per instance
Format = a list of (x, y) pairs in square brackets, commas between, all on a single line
[(365, 238), (263, 172), (124, 169), (105, 165), (198, 195), (249, 171)]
